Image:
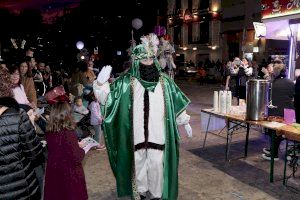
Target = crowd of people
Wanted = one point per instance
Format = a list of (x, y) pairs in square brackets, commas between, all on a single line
[(285, 91), (41, 153)]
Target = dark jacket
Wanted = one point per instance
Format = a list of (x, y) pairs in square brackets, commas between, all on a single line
[(20, 151), (232, 82), (242, 79), (283, 91)]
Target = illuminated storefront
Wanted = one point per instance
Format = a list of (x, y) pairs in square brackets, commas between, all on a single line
[(282, 19)]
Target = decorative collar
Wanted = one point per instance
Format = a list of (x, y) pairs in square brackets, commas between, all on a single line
[(135, 72)]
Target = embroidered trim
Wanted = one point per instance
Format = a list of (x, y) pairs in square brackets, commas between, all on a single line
[(161, 80), (135, 194)]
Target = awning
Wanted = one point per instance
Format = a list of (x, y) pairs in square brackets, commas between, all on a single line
[(280, 28)]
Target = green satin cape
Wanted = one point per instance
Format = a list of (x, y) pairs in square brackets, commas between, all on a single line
[(118, 132)]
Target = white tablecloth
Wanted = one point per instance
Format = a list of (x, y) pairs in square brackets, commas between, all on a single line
[(216, 123)]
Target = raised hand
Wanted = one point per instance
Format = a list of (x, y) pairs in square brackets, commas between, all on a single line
[(104, 74)]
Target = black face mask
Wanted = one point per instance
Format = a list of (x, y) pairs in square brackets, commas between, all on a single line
[(149, 72)]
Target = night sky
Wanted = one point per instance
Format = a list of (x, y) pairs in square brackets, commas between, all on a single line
[(99, 23), (49, 8), (17, 5)]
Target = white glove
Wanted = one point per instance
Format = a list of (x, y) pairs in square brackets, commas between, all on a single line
[(104, 74), (188, 130)]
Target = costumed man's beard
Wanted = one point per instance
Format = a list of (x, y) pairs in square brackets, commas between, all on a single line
[(149, 72)]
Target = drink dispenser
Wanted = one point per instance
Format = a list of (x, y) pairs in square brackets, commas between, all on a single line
[(257, 99)]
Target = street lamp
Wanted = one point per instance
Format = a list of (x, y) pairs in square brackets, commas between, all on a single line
[(137, 23), (79, 45)]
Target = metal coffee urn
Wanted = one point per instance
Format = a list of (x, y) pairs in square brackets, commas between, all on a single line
[(257, 99)]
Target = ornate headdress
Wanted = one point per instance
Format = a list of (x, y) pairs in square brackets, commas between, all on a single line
[(147, 49)]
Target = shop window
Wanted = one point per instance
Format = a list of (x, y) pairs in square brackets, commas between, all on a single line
[(177, 35), (233, 50), (178, 4), (204, 4), (204, 32), (190, 4), (190, 33), (194, 33), (179, 60)]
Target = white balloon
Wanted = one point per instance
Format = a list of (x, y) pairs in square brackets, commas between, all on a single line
[(79, 45), (137, 23)]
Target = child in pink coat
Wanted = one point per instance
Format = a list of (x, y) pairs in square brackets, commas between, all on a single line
[(96, 121)]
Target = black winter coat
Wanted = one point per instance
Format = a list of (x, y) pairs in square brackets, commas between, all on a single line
[(283, 91), (20, 150)]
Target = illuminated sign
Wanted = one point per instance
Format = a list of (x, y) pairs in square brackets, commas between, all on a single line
[(279, 8), (260, 29), (255, 49)]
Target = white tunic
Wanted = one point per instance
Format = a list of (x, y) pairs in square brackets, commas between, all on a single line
[(156, 124)]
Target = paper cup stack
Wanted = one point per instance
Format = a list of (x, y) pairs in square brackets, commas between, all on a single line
[(222, 101), (216, 101)]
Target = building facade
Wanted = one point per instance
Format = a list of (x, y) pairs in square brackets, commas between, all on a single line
[(194, 26), (238, 34)]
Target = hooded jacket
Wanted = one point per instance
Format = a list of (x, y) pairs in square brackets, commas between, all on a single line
[(20, 151)]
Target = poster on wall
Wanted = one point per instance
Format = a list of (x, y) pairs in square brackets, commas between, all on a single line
[(279, 8)]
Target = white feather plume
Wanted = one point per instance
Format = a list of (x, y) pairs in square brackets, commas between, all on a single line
[(150, 43)]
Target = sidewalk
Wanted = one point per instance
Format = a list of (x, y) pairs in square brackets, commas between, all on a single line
[(202, 172)]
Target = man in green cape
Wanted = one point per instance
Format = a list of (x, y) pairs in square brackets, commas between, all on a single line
[(141, 110)]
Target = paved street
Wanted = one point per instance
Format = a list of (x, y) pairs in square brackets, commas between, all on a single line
[(202, 172)]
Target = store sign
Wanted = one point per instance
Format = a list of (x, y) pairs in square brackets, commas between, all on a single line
[(260, 29), (279, 8)]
